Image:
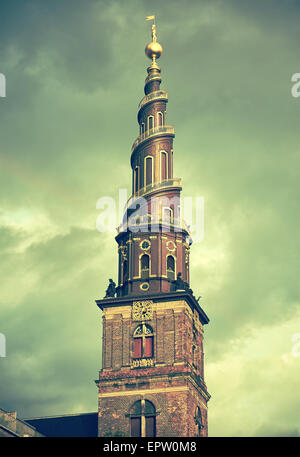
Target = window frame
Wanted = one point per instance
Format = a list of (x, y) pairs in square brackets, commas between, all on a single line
[(148, 122), (162, 153), (145, 171), (142, 416), (174, 258), (171, 221), (140, 265), (160, 115), (144, 336)]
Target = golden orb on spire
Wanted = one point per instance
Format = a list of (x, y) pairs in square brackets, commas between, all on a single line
[(154, 49)]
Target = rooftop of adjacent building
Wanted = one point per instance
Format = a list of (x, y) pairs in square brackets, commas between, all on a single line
[(11, 426), (68, 425)]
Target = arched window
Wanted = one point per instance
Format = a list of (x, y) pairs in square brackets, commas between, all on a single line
[(136, 179), (171, 267), (143, 342), (167, 215), (142, 128), (142, 419), (198, 420), (148, 171), (159, 119), (163, 165), (144, 266), (150, 122)]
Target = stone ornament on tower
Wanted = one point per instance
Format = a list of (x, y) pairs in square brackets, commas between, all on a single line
[(111, 289)]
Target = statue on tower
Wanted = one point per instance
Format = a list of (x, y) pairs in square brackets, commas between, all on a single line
[(154, 37), (179, 283), (111, 289)]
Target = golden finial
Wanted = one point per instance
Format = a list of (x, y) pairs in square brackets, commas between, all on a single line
[(154, 37), (154, 49)]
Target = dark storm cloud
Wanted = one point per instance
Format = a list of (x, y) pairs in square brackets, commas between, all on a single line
[(75, 39), (46, 330)]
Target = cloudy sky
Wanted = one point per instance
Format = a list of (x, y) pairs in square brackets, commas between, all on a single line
[(75, 72)]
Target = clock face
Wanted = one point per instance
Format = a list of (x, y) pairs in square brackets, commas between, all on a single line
[(142, 310)]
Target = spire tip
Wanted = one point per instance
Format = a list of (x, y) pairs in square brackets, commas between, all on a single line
[(153, 49)]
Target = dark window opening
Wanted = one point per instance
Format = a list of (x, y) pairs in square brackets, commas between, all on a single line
[(159, 119), (150, 426), (151, 123), (136, 426), (171, 267), (148, 171), (145, 262), (143, 419)]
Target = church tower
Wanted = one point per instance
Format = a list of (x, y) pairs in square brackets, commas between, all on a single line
[(152, 377)]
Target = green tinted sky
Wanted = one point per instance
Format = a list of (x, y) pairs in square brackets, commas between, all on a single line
[(75, 73)]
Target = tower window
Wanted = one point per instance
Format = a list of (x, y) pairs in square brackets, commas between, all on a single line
[(145, 266), (171, 267), (142, 419), (148, 170), (168, 215), (150, 122), (142, 128), (143, 342), (159, 119), (164, 165)]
